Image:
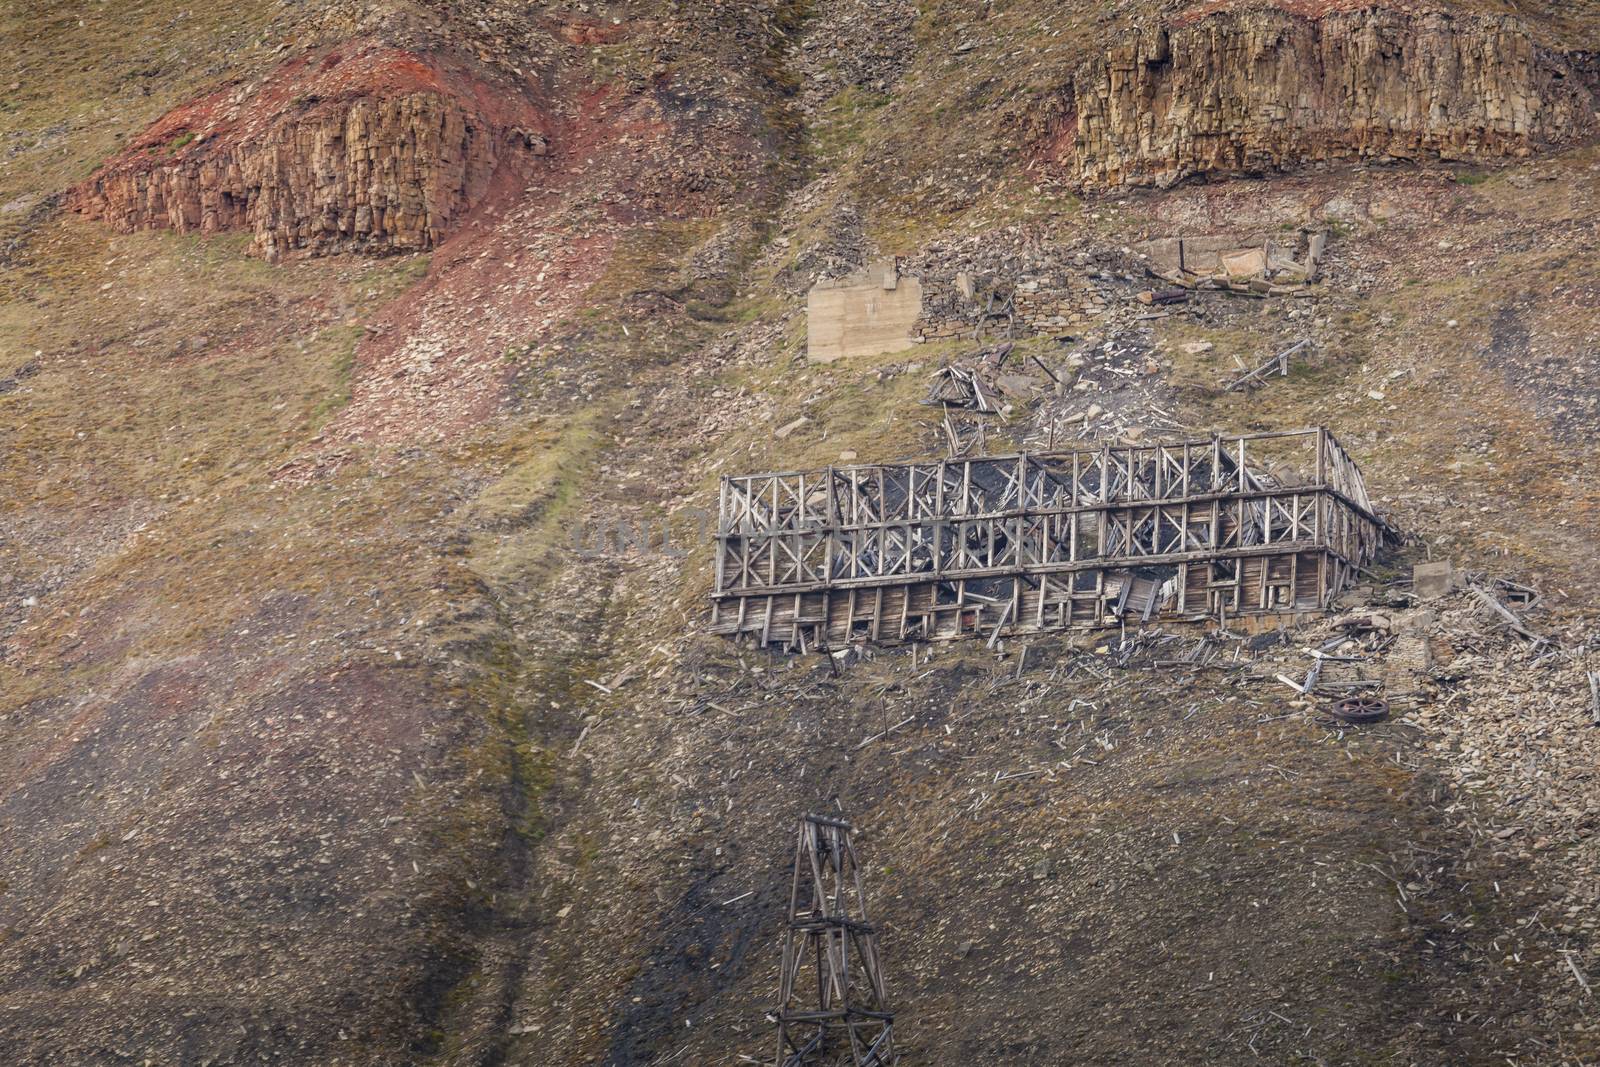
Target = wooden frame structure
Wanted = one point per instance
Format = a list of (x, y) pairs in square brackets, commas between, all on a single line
[(830, 960), (1266, 524)]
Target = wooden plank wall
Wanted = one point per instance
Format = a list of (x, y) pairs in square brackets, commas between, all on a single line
[(932, 611)]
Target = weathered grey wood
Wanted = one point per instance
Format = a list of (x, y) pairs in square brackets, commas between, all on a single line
[(827, 920), (1505, 614), (1279, 361), (1024, 517)]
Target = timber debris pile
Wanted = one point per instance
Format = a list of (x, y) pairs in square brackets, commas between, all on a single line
[(964, 385), (981, 384), (1442, 655)]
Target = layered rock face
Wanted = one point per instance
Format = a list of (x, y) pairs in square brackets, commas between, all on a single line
[(382, 151), (1263, 90)]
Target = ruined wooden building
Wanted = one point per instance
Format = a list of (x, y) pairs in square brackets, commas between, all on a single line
[(1257, 527)]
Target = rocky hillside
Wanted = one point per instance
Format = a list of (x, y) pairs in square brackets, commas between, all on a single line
[(372, 151), (365, 373), (1247, 92)]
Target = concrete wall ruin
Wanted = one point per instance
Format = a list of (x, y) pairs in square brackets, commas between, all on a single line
[(864, 314)]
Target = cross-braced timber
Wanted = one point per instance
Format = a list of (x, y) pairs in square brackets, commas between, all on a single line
[(832, 1007), (1268, 524)]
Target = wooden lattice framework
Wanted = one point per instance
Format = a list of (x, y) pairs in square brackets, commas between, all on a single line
[(832, 1007), (1251, 525)]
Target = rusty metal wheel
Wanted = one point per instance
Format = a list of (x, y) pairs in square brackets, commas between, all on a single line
[(1360, 710)]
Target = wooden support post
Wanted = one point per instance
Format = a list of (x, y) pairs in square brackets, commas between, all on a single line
[(837, 1015)]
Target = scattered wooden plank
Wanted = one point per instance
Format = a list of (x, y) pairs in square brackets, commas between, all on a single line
[(865, 741), (1567, 954), (1505, 614), (1280, 362)]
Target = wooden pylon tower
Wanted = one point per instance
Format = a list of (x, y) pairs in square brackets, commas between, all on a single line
[(832, 1009)]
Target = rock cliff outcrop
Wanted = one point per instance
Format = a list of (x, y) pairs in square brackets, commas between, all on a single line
[(1260, 90), (380, 150)]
